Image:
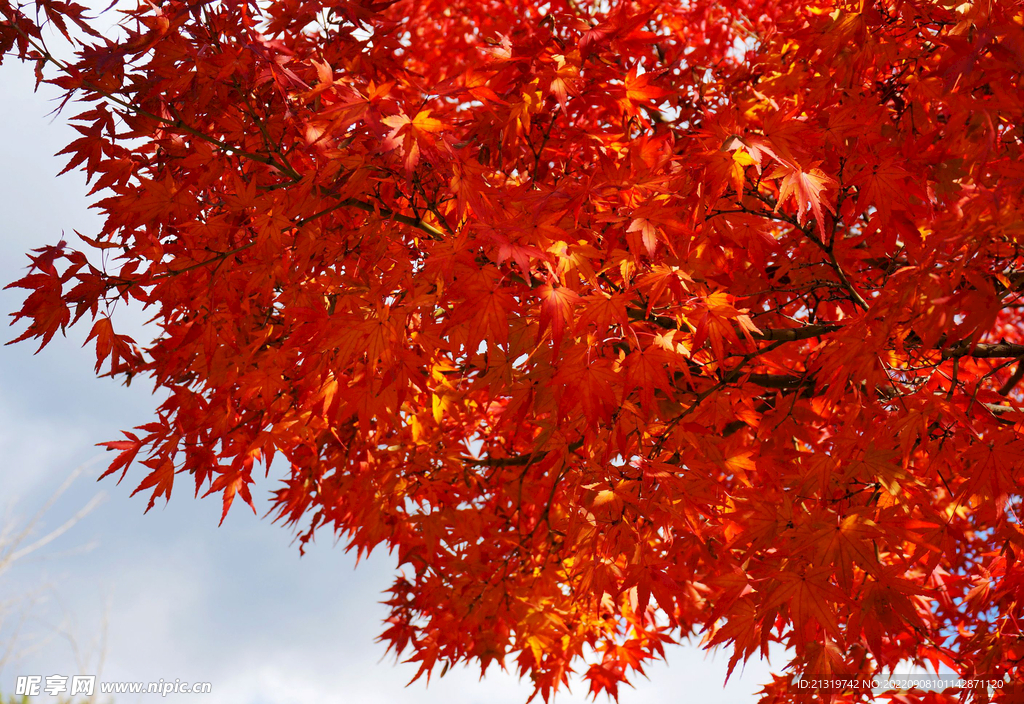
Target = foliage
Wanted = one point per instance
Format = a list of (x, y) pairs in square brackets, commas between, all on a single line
[(617, 321)]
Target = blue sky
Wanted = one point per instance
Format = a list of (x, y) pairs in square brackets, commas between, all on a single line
[(169, 594)]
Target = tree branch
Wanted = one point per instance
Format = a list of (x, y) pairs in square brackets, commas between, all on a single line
[(516, 461), (780, 335), (981, 350)]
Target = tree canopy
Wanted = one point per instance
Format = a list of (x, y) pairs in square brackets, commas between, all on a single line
[(618, 321)]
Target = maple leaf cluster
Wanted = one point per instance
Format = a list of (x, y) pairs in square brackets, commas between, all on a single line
[(618, 322)]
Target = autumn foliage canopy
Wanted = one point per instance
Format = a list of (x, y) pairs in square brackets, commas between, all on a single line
[(617, 321)]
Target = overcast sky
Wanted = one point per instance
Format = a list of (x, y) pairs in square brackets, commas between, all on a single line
[(176, 596)]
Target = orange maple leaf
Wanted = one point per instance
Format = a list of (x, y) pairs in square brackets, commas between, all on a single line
[(805, 187), (556, 309), (411, 134)]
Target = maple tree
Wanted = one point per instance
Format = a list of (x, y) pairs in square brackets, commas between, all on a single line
[(618, 321)]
